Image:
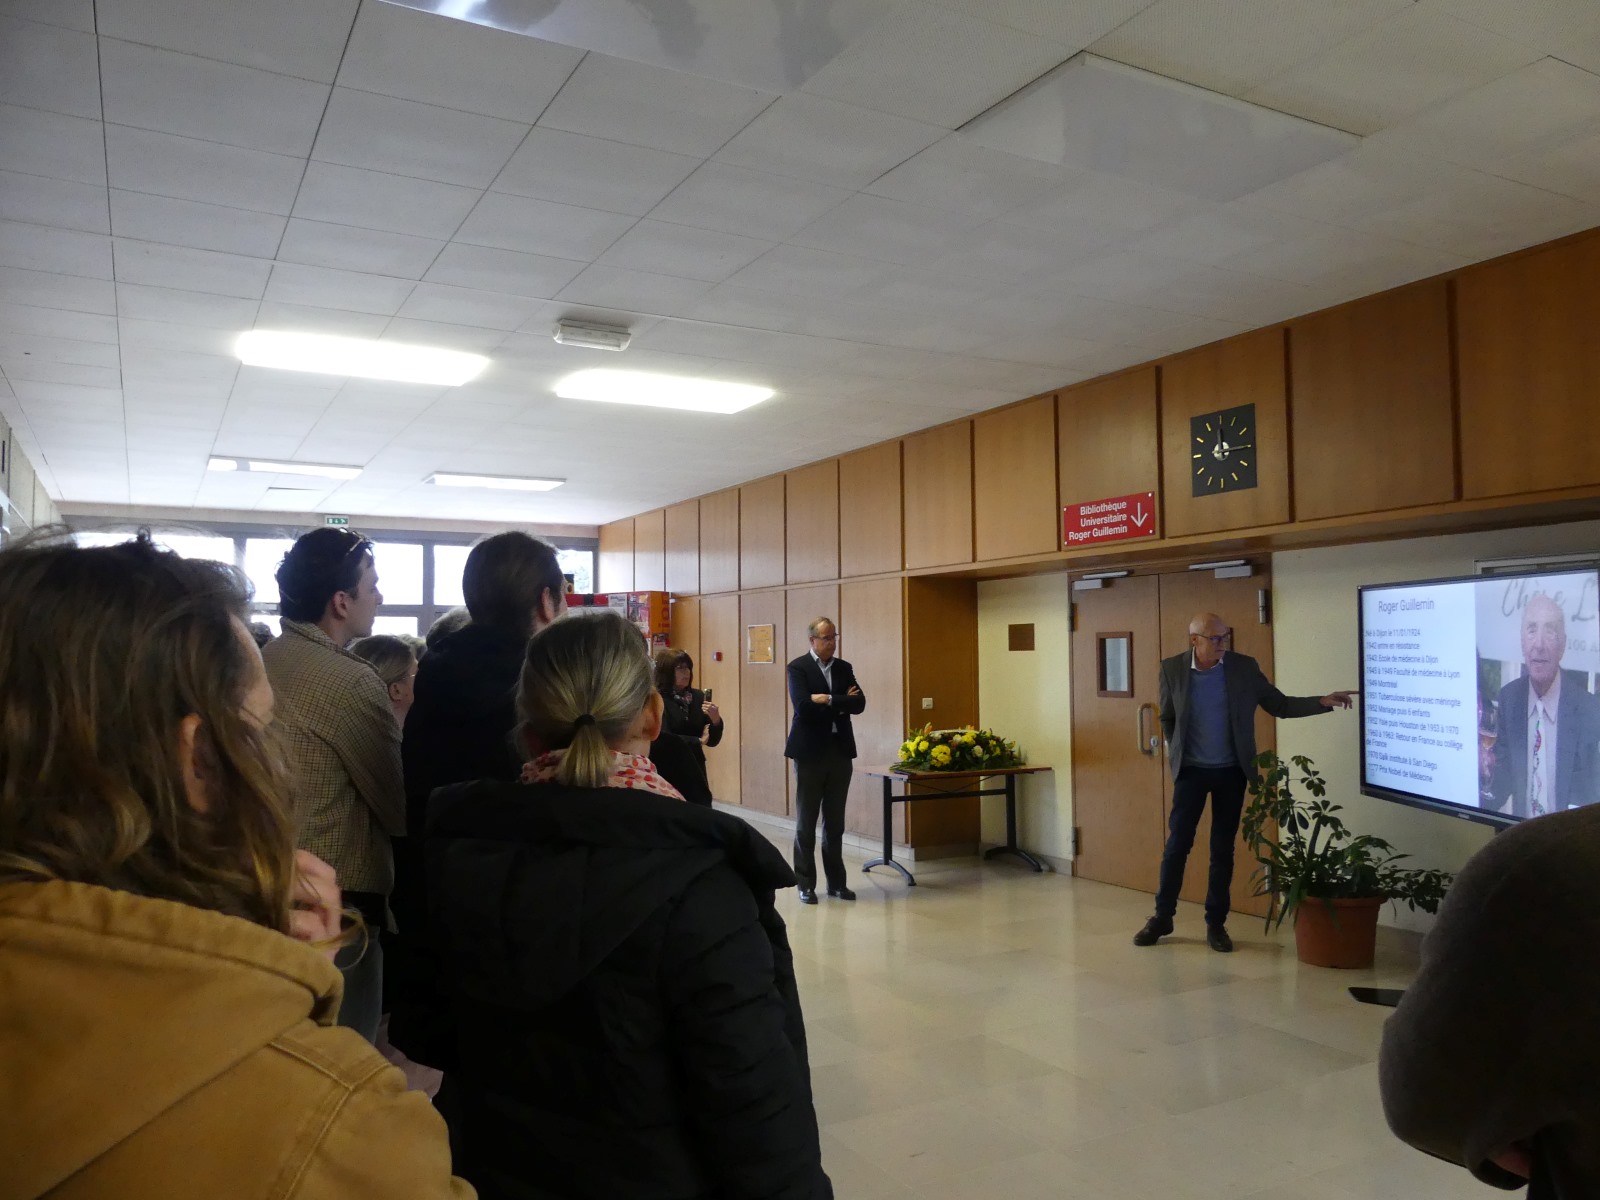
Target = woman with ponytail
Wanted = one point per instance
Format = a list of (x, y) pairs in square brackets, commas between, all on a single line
[(613, 984)]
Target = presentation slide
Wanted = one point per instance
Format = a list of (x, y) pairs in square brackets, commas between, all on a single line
[(1480, 693)]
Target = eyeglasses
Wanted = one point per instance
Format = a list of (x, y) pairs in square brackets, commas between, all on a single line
[(824, 637), (1216, 639)]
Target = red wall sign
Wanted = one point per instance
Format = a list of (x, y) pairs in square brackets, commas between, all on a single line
[(1113, 520)]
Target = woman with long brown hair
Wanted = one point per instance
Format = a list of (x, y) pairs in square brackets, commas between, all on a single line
[(162, 1031)]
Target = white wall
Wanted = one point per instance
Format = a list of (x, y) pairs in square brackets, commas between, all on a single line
[(1317, 650), (1026, 695)]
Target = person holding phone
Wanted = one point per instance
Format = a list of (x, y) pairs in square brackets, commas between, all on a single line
[(690, 723)]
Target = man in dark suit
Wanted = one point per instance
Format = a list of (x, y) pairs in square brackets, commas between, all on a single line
[(824, 694), (1209, 697), (1549, 724)]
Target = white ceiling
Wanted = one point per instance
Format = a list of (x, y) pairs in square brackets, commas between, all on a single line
[(795, 208)]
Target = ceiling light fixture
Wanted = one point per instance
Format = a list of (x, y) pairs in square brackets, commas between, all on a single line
[(660, 391), (504, 483), (362, 358), (269, 467), (592, 337)]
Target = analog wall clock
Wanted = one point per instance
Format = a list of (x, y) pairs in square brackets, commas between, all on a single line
[(1222, 450)]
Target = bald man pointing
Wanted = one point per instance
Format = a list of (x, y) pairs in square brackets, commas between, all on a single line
[(1209, 697)]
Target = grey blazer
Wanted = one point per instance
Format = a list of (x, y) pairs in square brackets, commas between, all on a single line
[(1248, 689)]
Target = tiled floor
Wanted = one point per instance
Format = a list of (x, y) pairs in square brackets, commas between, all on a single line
[(992, 1032)]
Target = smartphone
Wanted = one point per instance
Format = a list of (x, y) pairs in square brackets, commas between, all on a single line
[(708, 694)]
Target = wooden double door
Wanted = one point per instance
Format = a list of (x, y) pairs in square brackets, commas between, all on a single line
[(1122, 791)]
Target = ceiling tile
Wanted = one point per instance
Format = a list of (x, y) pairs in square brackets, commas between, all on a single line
[(47, 372), (1000, 252), (51, 322), (49, 67), (42, 143), (1543, 104), (1566, 29), (217, 102), (373, 251), (889, 230), (505, 271), (468, 306), (41, 200), (311, 318), (190, 223), (1482, 217), (40, 248), (453, 63), (71, 14), (1571, 168), (164, 335), (651, 106), (809, 137), (190, 270), (635, 291), (1076, 24), (755, 204), (1230, 46), (678, 250), (1224, 230), (965, 177), (936, 65), (402, 137), (1400, 67), (591, 172), (801, 271), (1091, 204), (162, 164), (374, 200), (540, 227), (472, 338), (144, 303), (323, 287), (58, 349), (292, 37)]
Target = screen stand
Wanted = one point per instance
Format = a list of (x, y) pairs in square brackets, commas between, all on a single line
[(1387, 997)]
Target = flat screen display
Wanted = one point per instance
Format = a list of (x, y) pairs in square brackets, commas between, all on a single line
[(1479, 694)]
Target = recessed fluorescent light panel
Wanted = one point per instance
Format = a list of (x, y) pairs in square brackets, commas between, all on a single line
[(660, 391), (1107, 116), (504, 483), (361, 358), (270, 467)]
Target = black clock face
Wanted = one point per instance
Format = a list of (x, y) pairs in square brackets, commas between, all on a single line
[(1222, 448)]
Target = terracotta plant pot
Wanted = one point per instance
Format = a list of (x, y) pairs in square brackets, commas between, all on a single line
[(1337, 933)]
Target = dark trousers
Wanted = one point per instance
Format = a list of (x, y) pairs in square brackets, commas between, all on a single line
[(1225, 786), (821, 786)]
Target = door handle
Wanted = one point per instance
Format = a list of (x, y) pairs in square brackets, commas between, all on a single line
[(1148, 743)]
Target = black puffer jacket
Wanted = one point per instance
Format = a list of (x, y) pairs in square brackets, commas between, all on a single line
[(625, 1023)]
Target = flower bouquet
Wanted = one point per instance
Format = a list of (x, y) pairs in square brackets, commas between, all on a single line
[(969, 749)]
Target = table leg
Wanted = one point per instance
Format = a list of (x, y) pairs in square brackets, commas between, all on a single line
[(888, 837), (1011, 846)]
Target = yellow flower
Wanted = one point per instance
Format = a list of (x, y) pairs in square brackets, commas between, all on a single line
[(968, 738), (941, 755), (922, 746)]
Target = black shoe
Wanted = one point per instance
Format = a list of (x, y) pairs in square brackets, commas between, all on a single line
[(1217, 938), (1154, 930), (808, 895), (841, 893)]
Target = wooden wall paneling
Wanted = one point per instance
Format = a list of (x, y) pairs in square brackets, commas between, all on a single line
[(1529, 356), (616, 556), (721, 634), (763, 708), (683, 548), (1371, 412), (1109, 439), (650, 552), (719, 541), (811, 517), (761, 533), (871, 640), (1248, 369), (803, 605), (685, 633), (941, 650), (870, 511), (938, 496), (1014, 504)]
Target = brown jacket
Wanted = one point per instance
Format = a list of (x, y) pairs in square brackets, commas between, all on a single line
[(150, 1050)]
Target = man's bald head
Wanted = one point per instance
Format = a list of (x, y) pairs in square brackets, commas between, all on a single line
[(1544, 641), (1208, 636)]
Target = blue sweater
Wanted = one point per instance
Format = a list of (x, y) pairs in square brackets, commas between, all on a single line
[(1210, 743)]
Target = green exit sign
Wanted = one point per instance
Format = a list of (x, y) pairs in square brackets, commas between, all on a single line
[(336, 520)]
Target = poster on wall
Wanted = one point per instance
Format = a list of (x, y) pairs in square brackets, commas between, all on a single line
[(758, 643)]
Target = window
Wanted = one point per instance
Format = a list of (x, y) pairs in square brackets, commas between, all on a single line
[(448, 564), (186, 545), (580, 565), (261, 559), (399, 568), (395, 625)]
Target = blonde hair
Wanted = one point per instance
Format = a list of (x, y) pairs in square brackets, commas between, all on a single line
[(391, 657), (584, 681), (104, 652)]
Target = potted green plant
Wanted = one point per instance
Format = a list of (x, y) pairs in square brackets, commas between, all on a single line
[(1311, 866)]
